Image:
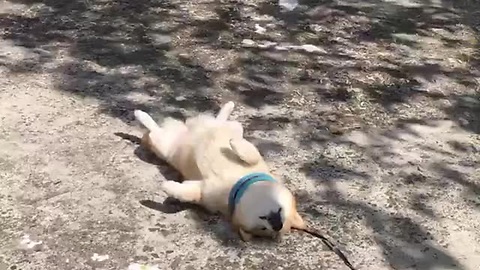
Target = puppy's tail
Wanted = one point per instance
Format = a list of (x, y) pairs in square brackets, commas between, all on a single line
[(146, 120), (225, 111)]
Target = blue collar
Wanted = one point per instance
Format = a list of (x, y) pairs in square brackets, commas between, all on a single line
[(242, 184)]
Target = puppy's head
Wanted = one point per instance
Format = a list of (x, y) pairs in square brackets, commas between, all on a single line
[(266, 209)]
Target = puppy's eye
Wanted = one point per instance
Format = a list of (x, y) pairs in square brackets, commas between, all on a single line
[(263, 228), (263, 217)]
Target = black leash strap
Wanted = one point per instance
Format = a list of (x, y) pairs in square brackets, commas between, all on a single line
[(331, 246)]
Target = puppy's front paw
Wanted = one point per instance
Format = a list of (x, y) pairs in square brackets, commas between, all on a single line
[(169, 187), (244, 235), (187, 191)]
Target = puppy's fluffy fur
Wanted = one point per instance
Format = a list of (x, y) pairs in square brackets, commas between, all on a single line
[(212, 155)]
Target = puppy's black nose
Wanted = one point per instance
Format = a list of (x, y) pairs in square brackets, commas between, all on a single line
[(275, 220)]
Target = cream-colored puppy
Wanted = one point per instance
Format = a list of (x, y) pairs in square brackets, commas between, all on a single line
[(223, 172)]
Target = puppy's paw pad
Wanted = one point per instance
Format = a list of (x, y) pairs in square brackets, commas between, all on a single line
[(230, 105)]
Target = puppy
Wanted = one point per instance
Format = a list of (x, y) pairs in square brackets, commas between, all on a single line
[(223, 172)]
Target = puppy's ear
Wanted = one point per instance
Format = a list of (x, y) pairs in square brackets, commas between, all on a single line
[(296, 219)]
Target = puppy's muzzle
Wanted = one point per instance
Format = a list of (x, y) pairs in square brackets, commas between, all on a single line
[(275, 220)]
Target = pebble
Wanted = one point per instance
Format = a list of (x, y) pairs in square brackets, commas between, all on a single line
[(27, 244), (99, 258), (248, 42), (137, 266), (259, 29), (161, 39), (180, 98), (288, 4)]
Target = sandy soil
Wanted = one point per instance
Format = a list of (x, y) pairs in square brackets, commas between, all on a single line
[(376, 130)]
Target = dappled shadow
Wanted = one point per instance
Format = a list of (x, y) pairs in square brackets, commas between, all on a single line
[(471, 187), (405, 70), (327, 171), (466, 111), (416, 175), (405, 243), (113, 51), (419, 203), (165, 57), (266, 147)]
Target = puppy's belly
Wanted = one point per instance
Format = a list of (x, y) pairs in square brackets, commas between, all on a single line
[(185, 163), (182, 157)]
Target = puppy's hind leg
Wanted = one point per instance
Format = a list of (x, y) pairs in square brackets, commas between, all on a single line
[(245, 150), (146, 120), (187, 191), (225, 111), (166, 139)]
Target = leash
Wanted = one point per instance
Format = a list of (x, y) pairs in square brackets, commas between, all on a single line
[(329, 244)]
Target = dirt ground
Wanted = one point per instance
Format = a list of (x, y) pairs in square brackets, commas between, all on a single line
[(374, 124)]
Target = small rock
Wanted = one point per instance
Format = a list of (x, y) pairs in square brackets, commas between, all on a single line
[(248, 42), (288, 4), (259, 29), (312, 48), (476, 148), (161, 39), (267, 44), (140, 258), (148, 249), (281, 48), (332, 118), (137, 266), (99, 258), (180, 98), (27, 244)]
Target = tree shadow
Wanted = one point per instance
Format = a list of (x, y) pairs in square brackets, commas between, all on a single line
[(404, 242), (411, 184), (472, 188), (119, 52), (391, 27), (398, 236), (466, 112), (326, 170), (114, 51)]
